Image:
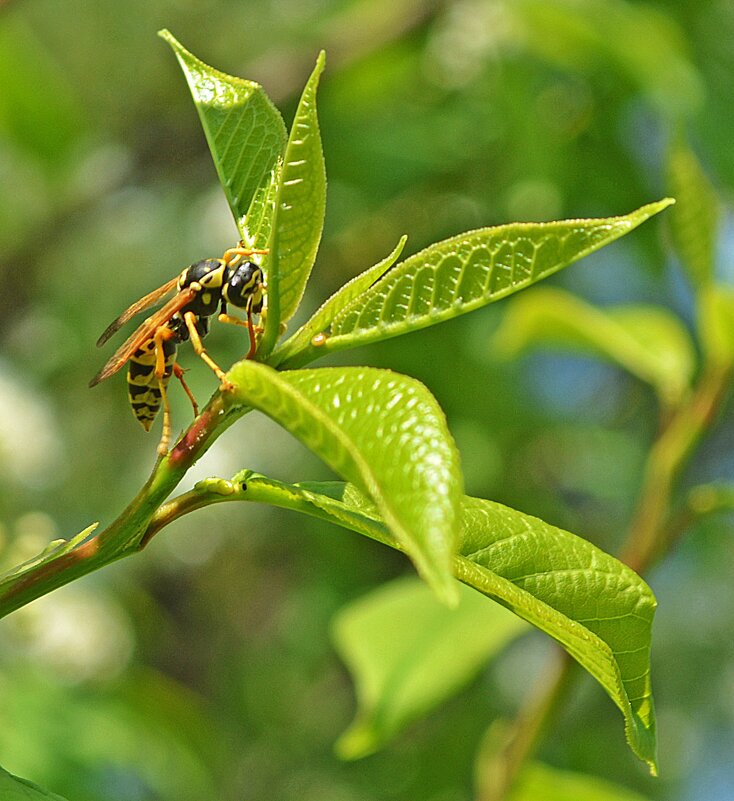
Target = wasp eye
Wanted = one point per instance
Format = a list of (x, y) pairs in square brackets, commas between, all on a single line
[(243, 283)]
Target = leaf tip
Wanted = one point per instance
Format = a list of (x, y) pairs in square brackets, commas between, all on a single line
[(444, 586), (358, 741), (655, 208), (165, 34)]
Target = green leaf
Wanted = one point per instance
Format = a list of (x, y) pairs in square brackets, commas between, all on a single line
[(649, 342), (716, 323), (301, 341), (301, 202), (245, 131), (468, 271), (408, 653), (694, 221), (538, 781), (51, 552), (14, 789), (597, 608), (257, 226), (385, 433)]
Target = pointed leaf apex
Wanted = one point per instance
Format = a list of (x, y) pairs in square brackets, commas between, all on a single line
[(444, 585)]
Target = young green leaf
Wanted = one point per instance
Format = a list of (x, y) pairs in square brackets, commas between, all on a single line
[(468, 271), (385, 433), (596, 607), (14, 789), (538, 781), (301, 202), (716, 323), (649, 342), (257, 226), (301, 341), (408, 653), (245, 131), (695, 219)]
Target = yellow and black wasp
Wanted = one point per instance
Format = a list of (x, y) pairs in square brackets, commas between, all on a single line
[(151, 350)]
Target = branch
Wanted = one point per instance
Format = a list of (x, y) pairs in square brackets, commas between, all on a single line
[(128, 534)]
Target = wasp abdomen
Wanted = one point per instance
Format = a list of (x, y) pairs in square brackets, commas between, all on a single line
[(143, 388)]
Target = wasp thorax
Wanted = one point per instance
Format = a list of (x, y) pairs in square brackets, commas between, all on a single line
[(244, 286), (209, 273)]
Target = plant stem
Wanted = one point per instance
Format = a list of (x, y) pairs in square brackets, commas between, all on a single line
[(127, 534), (648, 536), (497, 773), (652, 532)]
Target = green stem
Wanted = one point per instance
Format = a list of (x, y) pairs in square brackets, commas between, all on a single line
[(652, 532), (648, 537), (127, 534), (496, 773)]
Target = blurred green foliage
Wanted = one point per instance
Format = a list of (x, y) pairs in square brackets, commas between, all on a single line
[(202, 668)]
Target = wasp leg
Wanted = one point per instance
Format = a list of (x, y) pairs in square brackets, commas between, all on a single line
[(200, 350), (163, 333), (178, 371), (252, 330), (241, 252)]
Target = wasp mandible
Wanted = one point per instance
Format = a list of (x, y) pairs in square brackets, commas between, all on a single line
[(151, 350)]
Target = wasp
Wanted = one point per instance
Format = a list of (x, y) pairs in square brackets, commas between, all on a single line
[(150, 352)]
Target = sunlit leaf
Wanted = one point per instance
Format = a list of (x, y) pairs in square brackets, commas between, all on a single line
[(408, 653), (302, 339), (385, 433), (597, 608), (695, 219), (471, 270), (14, 789), (650, 342), (245, 131), (301, 203)]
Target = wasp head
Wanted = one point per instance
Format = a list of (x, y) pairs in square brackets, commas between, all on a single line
[(244, 286)]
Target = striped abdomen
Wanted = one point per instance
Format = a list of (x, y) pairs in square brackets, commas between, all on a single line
[(143, 390)]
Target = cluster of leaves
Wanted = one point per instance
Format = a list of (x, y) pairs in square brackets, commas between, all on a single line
[(386, 436)]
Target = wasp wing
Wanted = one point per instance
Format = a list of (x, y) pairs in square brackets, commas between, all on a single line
[(144, 333), (136, 308)]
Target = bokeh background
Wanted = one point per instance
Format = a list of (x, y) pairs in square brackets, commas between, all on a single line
[(203, 668)]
